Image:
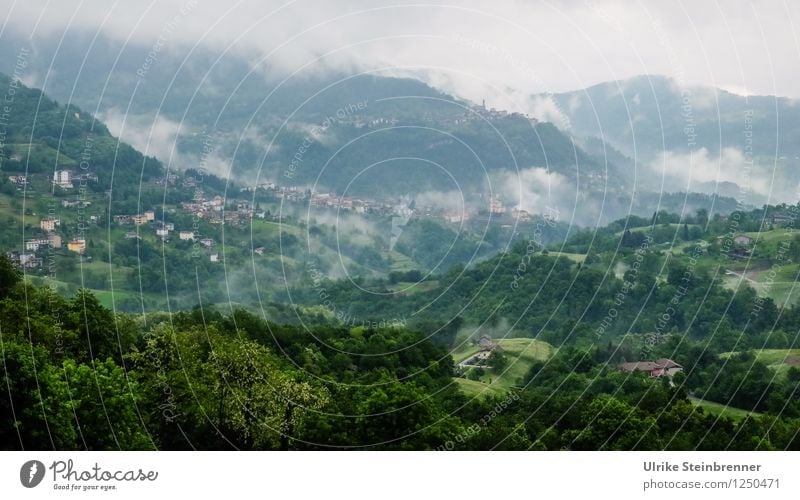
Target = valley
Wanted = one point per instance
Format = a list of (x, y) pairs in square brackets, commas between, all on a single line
[(392, 276)]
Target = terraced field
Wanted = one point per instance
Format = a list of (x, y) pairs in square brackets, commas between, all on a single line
[(521, 354), (776, 359)]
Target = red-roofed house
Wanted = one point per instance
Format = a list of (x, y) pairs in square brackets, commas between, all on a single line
[(657, 368)]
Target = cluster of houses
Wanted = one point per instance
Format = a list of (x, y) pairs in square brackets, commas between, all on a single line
[(52, 239), (482, 113), (169, 179), (213, 211), (64, 179), (293, 194), (497, 211), (30, 257), (164, 230), (217, 210), (136, 220), (328, 200), (25, 260)]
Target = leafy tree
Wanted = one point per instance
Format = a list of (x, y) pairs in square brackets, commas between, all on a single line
[(9, 276), (103, 400), (614, 425)]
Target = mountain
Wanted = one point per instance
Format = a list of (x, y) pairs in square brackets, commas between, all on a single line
[(41, 136), (239, 117), (332, 130), (691, 137), (645, 115), (106, 187)]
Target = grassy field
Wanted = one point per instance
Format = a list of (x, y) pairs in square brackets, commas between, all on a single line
[(784, 293), (401, 262), (673, 225), (718, 409), (473, 388), (773, 236), (678, 247), (406, 288), (779, 282), (575, 257), (259, 226), (107, 298), (104, 296), (521, 354), (776, 359)]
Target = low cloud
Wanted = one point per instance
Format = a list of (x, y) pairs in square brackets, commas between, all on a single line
[(160, 137), (545, 108), (153, 137), (700, 171), (447, 200), (528, 46), (536, 190)]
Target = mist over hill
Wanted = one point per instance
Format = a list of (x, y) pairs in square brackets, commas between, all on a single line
[(689, 137), (354, 134)]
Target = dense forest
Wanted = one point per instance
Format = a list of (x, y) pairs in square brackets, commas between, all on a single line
[(81, 377), (318, 357)]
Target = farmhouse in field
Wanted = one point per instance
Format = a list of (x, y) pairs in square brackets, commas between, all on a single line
[(658, 368), (487, 344)]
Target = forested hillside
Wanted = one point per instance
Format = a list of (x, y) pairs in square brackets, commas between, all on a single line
[(43, 136), (82, 377)]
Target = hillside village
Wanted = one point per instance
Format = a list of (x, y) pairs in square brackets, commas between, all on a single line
[(85, 210)]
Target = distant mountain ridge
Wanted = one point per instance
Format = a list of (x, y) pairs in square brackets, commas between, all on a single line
[(354, 134), (673, 137), (647, 114), (366, 133)]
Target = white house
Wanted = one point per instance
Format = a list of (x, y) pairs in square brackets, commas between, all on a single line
[(49, 224), (63, 179), (34, 245)]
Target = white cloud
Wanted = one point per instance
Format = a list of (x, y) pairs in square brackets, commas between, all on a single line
[(737, 89), (535, 190), (158, 137), (527, 47), (545, 108), (700, 171), (153, 137)]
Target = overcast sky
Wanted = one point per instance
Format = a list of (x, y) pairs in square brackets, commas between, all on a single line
[(472, 48)]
